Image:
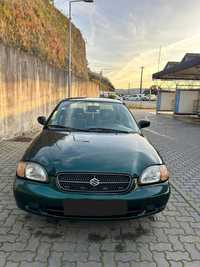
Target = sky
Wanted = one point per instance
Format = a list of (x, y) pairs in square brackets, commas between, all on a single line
[(123, 35)]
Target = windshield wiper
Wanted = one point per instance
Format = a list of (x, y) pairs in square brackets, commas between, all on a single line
[(108, 130), (70, 129), (100, 130)]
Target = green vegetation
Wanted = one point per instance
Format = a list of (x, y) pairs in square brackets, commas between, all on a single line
[(104, 83), (139, 106), (112, 96), (38, 28)]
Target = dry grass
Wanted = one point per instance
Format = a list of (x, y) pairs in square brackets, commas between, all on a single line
[(139, 106), (38, 28)]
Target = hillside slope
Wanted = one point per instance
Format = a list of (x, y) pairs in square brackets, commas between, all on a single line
[(38, 28)]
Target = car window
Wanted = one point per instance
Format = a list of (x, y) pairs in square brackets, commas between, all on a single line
[(86, 115)]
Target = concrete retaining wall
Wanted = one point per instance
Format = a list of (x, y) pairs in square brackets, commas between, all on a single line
[(29, 88)]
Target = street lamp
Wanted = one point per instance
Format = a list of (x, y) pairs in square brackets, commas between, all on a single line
[(70, 42)]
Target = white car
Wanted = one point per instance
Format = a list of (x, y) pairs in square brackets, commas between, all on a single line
[(119, 98), (146, 97), (135, 98), (153, 98)]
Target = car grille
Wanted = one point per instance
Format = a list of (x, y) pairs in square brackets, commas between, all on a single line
[(94, 183)]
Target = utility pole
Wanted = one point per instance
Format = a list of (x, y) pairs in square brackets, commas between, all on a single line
[(129, 87), (150, 94), (100, 80), (141, 79)]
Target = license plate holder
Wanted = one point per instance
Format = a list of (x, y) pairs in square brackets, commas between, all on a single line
[(95, 208)]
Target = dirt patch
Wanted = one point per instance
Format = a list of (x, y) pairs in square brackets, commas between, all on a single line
[(132, 236), (22, 139), (27, 217), (128, 236), (49, 235), (120, 247), (96, 237)]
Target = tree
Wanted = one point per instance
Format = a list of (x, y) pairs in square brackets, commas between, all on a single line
[(153, 90)]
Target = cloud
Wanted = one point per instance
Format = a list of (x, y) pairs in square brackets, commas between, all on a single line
[(149, 59), (123, 35)]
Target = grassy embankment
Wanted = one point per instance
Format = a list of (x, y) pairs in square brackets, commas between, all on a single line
[(38, 28)]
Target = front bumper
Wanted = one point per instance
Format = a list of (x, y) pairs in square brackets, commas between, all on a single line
[(44, 200)]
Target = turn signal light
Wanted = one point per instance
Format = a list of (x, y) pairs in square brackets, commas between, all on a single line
[(164, 174), (21, 169)]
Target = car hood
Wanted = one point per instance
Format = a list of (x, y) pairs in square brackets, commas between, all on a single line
[(92, 152)]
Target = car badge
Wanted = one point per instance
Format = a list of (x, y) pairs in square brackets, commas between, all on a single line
[(94, 182)]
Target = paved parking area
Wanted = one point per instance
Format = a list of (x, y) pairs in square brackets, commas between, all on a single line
[(173, 239), (179, 145)]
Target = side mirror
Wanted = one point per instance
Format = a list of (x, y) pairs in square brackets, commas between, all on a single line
[(42, 120), (143, 124)]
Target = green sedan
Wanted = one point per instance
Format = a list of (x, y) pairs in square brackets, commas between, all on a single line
[(92, 162)]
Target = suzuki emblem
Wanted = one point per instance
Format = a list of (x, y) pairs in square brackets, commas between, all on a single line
[(94, 182)]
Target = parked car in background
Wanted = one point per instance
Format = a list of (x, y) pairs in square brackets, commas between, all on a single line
[(91, 161), (153, 97), (145, 97), (119, 98), (134, 98), (125, 97)]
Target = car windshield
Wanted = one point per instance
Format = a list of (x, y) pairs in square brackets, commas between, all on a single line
[(92, 116)]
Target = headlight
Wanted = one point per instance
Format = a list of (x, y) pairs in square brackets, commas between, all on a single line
[(31, 171), (154, 174)]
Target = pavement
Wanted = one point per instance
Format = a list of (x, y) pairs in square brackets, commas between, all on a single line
[(171, 238)]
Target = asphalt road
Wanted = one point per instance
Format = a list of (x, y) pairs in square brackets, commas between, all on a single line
[(173, 239)]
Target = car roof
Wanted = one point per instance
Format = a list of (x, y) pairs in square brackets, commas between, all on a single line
[(105, 100)]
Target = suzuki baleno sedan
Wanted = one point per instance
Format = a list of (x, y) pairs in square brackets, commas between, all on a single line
[(91, 161)]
